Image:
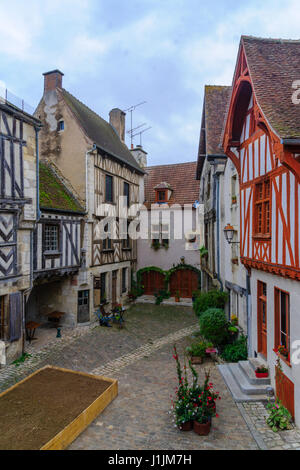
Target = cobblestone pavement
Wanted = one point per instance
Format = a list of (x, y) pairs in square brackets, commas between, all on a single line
[(139, 417), (140, 357), (90, 347), (255, 414)]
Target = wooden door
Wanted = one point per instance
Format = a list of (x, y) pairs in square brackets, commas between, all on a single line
[(285, 391), (83, 312), (153, 282), (185, 281), (262, 331), (114, 288)]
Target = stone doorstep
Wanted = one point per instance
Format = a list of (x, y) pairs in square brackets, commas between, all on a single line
[(241, 394), (249, 372)]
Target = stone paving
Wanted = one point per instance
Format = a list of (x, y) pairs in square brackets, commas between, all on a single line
[(139, 417), (255, 414), (140, 357)]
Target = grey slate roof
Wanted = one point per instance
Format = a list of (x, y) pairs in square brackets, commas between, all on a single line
[(100, 132)]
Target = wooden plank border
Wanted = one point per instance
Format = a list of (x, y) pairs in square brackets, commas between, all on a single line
[(65, 437)]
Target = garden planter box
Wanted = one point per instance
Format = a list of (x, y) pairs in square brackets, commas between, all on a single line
[(51, 407), (261, 375), (196, 359)]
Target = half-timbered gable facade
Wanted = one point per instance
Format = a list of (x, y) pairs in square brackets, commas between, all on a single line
[(261, 138), (170, 229), (99, 168), (57, 251), (18, 212)]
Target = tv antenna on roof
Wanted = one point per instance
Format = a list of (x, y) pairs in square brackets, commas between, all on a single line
[(140, 134), (131, 109)]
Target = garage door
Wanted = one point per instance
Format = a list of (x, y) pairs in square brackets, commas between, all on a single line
[(153, 282), (185, 281)]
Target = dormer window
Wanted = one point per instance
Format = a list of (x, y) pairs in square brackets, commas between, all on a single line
[(162, 195), (162, 192)]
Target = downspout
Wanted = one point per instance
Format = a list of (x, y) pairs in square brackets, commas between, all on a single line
[(38, 215), (86, 177), (249, 314)]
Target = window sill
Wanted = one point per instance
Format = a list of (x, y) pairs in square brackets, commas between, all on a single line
[(108, 251), (283, 358), (126, 248), (261, 237), (52, 253)]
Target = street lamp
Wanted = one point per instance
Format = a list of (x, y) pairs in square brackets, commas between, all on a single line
[(229, 233)]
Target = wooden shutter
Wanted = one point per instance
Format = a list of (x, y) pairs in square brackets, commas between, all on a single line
[(15, 316)]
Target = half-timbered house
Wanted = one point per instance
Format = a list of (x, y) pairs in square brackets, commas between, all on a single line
[(58, 261), (219, 193), (170, 230), (262, 139), (105, 178), (18, 213)]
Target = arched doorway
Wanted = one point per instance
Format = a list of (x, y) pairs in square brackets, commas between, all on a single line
[(186, 281), (153, 281)]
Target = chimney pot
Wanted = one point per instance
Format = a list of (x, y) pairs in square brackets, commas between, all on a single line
[(117, 121), (52, 80)]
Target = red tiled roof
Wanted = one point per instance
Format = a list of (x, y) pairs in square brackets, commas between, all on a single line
[(215, 103), (180, 176), (273, 66)]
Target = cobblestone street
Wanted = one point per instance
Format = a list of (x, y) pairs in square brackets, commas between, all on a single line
[(140, 357)]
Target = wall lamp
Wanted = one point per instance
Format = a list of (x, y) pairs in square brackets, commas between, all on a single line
[(229, 233)]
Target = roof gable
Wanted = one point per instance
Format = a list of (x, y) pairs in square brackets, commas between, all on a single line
[(215, 103), (100, 132), (181, 177), (274, 64), (53, 192)]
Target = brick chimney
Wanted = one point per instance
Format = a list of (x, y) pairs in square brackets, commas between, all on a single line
[(52, 80), (117, 121)]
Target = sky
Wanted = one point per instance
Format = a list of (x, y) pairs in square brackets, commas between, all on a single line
[(119, 53)]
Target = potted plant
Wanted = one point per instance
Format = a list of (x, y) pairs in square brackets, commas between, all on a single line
[(261, 372), (197, 352), (182, 406), (206, 408), (177, 296), (195, 293), (283, 351), (203, 252), (234, 320), (279, 417), (155, 245), (234, 200)]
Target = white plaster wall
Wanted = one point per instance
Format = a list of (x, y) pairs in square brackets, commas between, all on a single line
[(230, 213), (293, 287)]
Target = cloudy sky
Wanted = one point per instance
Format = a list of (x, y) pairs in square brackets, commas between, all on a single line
[(117, 53)]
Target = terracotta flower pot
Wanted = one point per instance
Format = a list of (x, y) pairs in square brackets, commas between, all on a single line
[(262, 375), (203, 429), (187, 426)]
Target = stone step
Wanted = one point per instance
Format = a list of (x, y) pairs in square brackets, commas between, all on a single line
[(236, 392), (249, 373), (255, 362), (243, 382)]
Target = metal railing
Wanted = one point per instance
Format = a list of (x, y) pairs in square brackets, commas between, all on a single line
[(8, 97)]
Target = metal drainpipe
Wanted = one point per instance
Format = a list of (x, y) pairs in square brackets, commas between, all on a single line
[(86, 177), (38, 212), (249, 313)]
